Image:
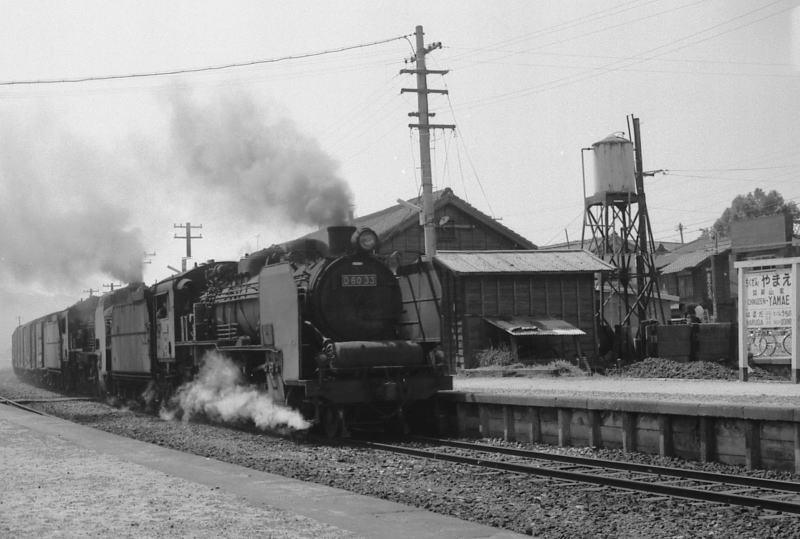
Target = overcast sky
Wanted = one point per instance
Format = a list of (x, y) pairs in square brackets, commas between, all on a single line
[(92, 173)]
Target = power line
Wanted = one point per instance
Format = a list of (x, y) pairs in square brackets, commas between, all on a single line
[(199, 69), (671, 170), (469, 159), (624, 24), (639, 58), (566, 25), (537, 52)]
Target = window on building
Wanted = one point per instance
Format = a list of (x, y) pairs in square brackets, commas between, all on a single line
[(685, 286)]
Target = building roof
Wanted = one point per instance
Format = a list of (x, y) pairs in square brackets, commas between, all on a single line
[(686, 261), (520, 326), (531, 261), (690, 255), (393, 220)]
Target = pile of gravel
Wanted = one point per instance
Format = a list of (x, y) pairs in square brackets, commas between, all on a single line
[(654, 367), (540, 507)]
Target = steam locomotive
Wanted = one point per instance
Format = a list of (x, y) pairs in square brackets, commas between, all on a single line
[(330, 330)]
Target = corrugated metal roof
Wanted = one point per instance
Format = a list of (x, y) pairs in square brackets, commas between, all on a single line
[(520, 261), (526, 327), (686, 261)]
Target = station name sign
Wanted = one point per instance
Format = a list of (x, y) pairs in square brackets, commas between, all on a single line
[(768, 298)]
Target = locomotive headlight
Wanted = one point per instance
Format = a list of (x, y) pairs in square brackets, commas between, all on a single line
[(366, 240)]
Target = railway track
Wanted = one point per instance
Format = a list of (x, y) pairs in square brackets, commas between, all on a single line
[(767, 494), (21, 405)]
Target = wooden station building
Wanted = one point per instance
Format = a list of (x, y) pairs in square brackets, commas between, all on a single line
[(498, 289)]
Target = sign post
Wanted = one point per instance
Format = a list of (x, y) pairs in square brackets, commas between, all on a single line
[(769, 313)]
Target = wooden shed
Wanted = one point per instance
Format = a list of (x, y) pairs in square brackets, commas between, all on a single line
[(540, 304), (459, 226)]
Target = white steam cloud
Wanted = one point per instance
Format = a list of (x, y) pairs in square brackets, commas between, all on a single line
[(234, 149), (56, 224), (219, 393)]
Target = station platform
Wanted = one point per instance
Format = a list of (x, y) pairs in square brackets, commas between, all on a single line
[(672, 393), (63, 479), (752, 424)]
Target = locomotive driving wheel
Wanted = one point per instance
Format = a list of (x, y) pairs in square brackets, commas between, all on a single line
[(332, 421)]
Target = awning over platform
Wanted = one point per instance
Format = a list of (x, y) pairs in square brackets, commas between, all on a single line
[(519, 326)]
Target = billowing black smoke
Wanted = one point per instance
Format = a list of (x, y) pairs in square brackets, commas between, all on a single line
[(252, 163), (58, 221)]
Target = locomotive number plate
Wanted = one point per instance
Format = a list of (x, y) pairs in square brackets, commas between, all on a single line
[(360, 280)]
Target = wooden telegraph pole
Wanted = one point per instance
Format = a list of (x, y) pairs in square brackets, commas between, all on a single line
[(188, 237), (424, 126)]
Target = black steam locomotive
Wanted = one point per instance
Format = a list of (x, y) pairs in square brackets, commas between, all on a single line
[(330, 330)]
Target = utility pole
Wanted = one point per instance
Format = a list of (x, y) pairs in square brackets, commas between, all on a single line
[(111, 286), (147, 256), (714, 277), (424, 126), (188, 237), (680, 229), (647, 276), (91, 291)]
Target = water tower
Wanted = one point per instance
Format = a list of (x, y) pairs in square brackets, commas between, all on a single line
[(616, 228)]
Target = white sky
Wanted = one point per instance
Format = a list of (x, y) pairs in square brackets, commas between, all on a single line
[(530, 84)]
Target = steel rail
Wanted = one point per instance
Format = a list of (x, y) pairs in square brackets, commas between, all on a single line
[(54, 399), (711, 477), (581, 477), (9, 402)]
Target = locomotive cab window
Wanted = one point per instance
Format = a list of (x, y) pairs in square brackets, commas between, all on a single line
[(161, 306)]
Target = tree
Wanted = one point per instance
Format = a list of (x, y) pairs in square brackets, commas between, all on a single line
[(751, 205)]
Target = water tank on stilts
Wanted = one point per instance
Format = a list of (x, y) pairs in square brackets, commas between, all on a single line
[(613, 166)]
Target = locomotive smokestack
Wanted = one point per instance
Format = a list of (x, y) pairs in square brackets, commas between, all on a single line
[(339, 239)]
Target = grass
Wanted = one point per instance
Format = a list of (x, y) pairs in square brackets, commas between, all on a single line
[(495, 357)]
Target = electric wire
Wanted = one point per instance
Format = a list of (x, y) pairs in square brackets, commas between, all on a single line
[(602, 30), (591, 17), (640, 58), (537, 52), (466, 153), (200, 69)]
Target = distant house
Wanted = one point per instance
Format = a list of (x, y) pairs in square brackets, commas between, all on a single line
[(700, 273), (459, 226)]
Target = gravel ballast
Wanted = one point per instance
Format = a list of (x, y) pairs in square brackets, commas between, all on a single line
[(538, 507)]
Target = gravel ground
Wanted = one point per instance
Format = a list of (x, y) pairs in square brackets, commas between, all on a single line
[(172, 508), (539, 507)]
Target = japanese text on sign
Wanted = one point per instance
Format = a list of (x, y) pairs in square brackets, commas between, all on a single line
[(768, 298)]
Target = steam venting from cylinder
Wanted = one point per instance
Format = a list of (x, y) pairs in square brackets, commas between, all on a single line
[(220, 394), (339, 239)]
